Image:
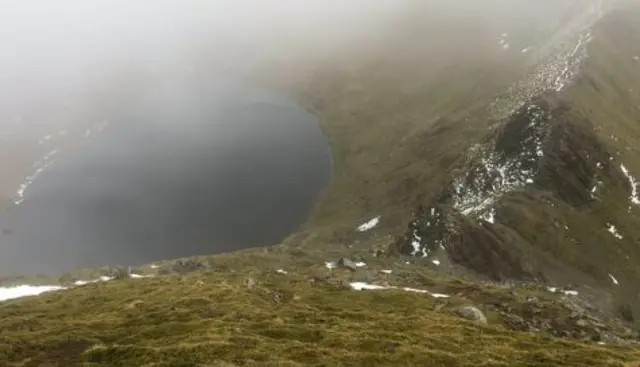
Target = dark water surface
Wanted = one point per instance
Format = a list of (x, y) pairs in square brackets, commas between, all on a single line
[(192, 168)]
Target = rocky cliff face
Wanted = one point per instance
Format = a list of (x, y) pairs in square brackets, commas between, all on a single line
[(511, 150), (552, 194)]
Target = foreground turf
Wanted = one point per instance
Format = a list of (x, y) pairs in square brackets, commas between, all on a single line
[(221, 319)]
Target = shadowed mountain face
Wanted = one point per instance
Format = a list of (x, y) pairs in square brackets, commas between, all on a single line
[(190, 168), (504, 150)]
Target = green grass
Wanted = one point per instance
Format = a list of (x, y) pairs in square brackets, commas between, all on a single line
[(214, 319)]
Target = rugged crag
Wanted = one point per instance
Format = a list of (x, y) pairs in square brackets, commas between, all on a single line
[(550, 197), (533, 178)]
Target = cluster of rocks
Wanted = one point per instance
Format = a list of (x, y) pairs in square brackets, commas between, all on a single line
[(183, 266), (565, 321), (575, 325)]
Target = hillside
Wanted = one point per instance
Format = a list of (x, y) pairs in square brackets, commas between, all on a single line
[(494, 167)]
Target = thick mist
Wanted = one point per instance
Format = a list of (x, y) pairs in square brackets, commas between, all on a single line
[(54, 50), (130, 131)]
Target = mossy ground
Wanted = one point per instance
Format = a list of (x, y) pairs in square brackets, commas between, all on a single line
[(218, 318)]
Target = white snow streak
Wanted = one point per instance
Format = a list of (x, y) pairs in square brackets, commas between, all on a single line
[(330, 265), (614, 280), (7, 293), (614, 231), (489, 216), (25, 290), (634, 185), (568, 292), (366, 286), (369, 225)]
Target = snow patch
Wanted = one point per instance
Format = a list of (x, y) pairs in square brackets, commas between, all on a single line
[(29, 180), (7, 293), (436, 262), (475, 192), (614, 280), (330, 265), (560, 60), (102, 278), (386, 271), (361, 264), (139, 276), (415, 243), (282, 271), (369, 225), (366, 286), (633, 198), (489, 216), (568, 292), (614, 231), (358, 286)]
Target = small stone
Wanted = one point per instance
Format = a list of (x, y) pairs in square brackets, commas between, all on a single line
[(250, 283), (582, 323), (472, 313), (349, 264)]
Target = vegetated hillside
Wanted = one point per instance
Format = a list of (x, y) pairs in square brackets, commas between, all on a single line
[(520, 164), (499, 159), (221, 318)]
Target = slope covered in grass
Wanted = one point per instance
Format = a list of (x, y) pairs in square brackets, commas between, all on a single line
[(221, 319)]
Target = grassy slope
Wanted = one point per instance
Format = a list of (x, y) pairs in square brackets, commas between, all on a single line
[(215, 319)]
